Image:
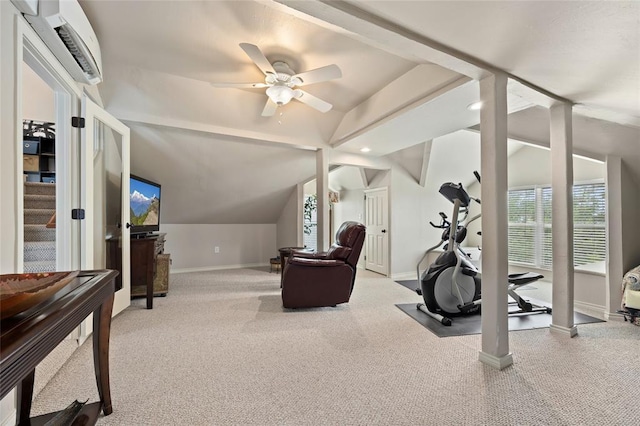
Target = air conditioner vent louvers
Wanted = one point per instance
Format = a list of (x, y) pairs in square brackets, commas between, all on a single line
[(65, 29), (77, 50)]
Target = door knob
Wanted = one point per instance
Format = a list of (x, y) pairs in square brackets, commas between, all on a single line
[(384, 231)]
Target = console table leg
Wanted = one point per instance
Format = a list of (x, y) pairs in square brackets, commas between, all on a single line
[(101, 332), (25, 394)]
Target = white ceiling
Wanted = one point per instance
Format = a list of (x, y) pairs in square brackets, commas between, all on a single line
[(396, 90), (585, 51)]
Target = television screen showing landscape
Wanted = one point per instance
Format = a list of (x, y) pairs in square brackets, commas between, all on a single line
[(144, 203)]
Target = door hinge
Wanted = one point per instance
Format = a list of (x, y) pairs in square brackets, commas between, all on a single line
[(77, 122), (77, 214)]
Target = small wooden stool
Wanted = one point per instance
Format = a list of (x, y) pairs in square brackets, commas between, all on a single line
[(275, 264)]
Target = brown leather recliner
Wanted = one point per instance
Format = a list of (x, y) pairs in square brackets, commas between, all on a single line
[(324, 279)]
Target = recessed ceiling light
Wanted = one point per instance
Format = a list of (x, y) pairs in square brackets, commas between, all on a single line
[(365, 149), (474, 106)]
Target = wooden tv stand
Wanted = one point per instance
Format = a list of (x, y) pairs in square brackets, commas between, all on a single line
[(144, 268), (149, 265)]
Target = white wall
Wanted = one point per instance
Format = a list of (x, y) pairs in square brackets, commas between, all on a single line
[(350, 208), (290, 221), (245, 245), (37, 97), (532, 166)]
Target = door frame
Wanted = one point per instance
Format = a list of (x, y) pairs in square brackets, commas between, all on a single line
[(387, 249), (31, 51)]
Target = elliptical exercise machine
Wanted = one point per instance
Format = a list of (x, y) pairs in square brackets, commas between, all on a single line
[(451, 286)]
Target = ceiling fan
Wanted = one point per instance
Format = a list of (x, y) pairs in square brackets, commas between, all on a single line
[(282, 82)]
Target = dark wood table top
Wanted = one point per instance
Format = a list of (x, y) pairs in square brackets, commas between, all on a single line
[(27, 338)]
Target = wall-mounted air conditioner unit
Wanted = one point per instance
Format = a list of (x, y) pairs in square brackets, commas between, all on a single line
[(65, 29)]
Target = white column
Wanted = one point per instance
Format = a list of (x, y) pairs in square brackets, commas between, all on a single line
[(300, 221), (322, 190), (495, 267), (614, 261), (562, 218)]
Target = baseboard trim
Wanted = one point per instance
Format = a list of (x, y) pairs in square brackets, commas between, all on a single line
[(614, 316), (590, 309), (499, 363), (217, 268), (402, 276)]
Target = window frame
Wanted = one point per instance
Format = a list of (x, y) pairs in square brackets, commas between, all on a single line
[(542, 225)]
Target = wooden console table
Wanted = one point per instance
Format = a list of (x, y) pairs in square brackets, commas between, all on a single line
[(27, 338)]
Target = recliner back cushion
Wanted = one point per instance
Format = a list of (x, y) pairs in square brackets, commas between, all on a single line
[(350, 236)]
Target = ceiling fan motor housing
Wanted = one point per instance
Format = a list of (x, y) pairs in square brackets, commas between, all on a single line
[(284, 73)]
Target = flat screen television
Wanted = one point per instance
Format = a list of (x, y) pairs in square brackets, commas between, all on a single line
[(144, 205)]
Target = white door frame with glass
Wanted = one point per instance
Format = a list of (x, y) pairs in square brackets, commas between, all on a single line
[(99, 128)]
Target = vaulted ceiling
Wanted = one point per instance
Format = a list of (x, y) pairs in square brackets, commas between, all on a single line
[(397, 88)]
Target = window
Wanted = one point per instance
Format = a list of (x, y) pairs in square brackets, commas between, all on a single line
[(530, 225), (310, 222)]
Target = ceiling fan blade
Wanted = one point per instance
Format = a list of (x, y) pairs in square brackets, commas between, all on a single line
[(258, 58), (312, 101), (269, 108), (241, 85), (318, 75)]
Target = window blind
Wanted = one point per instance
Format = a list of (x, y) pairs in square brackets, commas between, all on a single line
[(522, 226), (589, 210), (530, 225)]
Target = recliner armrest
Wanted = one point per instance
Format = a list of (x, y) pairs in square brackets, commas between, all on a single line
[(309, 254), (303, 261)]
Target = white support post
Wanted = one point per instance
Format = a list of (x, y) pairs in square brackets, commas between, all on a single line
[(300, 220), (495, 268), (562, 218), (614, 260), (322, 190)]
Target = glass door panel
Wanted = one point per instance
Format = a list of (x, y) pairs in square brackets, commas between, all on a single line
[(105, 197)]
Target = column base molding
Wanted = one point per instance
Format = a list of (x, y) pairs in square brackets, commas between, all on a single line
[(499, 363), (567, 331)]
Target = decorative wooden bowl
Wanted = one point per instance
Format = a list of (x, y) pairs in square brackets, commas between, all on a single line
[(19, 292)]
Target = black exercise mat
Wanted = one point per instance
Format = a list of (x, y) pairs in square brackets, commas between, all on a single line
[(471, 324), (410, 284)]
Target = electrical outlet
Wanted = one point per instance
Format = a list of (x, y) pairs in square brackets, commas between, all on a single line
[(216, 249)]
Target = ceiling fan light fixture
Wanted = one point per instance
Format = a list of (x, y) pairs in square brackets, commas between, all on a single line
[(280, 94)]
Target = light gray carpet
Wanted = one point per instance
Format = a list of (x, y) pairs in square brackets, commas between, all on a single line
[(220, 350)]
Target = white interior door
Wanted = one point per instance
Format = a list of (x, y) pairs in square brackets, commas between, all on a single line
[(105, 193), (377, 223)]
